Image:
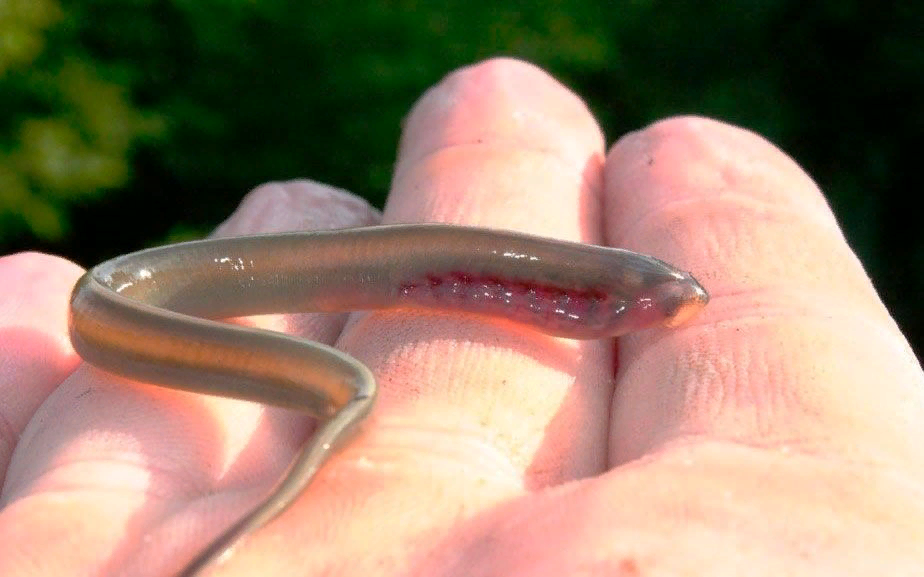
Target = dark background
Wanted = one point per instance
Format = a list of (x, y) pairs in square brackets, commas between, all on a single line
[(126, 123)]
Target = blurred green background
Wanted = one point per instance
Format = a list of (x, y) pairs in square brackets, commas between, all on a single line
[(129, 122)]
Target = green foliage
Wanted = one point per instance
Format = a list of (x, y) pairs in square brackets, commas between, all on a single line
[(22, 30), (71, 130), (152, 116)]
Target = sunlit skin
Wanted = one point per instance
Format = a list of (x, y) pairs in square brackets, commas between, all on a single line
[(777, 432)]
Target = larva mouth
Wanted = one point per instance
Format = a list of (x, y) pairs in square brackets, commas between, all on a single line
[(681, 301)]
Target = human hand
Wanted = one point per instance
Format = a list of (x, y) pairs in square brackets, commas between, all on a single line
[(777, 433)]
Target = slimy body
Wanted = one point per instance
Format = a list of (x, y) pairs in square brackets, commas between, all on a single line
[(149, 315)]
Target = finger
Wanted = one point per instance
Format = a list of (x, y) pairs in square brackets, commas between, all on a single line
[(469, 411), (35, 350), (297, 205), (795, 348), (37, 357), (168, 469), (514, 151)]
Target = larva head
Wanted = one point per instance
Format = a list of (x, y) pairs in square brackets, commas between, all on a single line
[(685, 301), (668, 301)]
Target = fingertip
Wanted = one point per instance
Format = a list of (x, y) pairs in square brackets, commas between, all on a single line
[(690, 159), (499, 102), (727, 205), (296, 205)]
